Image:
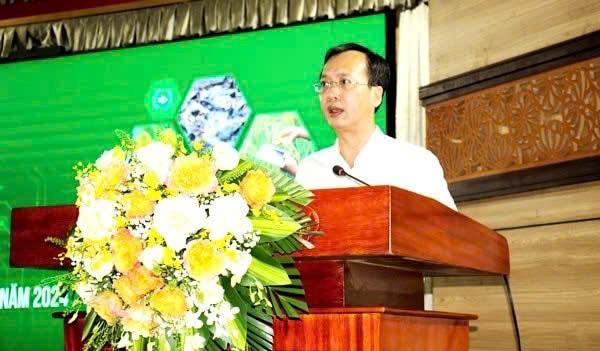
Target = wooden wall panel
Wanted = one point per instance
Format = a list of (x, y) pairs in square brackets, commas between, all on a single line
[(469, 34), (539, 120), (562, 204), (556, 288)]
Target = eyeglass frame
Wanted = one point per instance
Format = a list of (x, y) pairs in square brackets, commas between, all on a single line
[(349, 85)]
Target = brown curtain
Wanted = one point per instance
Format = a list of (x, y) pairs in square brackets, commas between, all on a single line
[(165, 23)]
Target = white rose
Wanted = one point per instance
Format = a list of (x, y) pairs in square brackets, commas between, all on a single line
[(228, 214), (97, 220), (152, 256), (156, 157), (177, 218), (226, 157)]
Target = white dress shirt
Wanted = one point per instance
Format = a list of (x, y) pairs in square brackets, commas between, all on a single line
[(382, 161)]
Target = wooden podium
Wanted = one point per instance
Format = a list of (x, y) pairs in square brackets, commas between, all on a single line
[(364, 279)]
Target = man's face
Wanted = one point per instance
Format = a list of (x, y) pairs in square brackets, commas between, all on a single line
[(352, 107)]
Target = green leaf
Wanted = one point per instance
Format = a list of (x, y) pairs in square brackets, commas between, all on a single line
[(301, 305), (275, 304), (163, 343), (266, 269), (236, 173), (272, 230), (237, 328), (289, 310), (89, 323)]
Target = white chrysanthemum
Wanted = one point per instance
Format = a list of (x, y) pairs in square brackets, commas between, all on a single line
[(156, 157), (226, 157), (228, 214), (97, 219), (177, 218), (152, 256), (194, 342), (100, 265), (237, 262)]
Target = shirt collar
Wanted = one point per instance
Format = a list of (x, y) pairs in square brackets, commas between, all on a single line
[(372, 143)]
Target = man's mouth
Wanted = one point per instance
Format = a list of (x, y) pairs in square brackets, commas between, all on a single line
[(335, 111)]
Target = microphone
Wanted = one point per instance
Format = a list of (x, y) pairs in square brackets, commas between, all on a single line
[(340, 172)]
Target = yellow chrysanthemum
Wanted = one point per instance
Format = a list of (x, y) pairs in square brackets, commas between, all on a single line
[(109, 179), (154, 238), (257, 188), (151, 180), (154, 195), (136, 283), (197, 145), (108, 306), (170, 259), (137, 205), (168, 136), (92, 248), (203, 261), (230, 187), (140, 320), (118, 154), (125, 249), (143, 139), (220, 244), (193, 175), (121, 221), (169, 301)]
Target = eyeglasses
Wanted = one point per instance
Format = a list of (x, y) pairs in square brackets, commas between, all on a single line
[(344, 84)]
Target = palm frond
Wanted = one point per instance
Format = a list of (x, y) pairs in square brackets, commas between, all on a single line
[(236, 173)]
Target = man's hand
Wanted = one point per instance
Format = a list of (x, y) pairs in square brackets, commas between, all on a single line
[(289, 134)]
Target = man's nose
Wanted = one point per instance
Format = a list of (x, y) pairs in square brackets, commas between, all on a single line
[(332, 93)]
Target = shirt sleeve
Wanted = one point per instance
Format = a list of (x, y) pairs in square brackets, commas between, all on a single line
[(438, 185)]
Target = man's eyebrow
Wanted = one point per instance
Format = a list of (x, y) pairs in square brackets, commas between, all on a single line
[(342, 74)]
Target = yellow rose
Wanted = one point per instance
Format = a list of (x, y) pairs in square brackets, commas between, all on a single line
[(193, 175), (202, 260), (257, 188), (125, 249), (136, 283), (137, 205), (140, 320), (169, 301), (108, 306)]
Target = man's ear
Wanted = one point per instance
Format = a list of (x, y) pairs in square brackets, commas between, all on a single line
[(376, 95)]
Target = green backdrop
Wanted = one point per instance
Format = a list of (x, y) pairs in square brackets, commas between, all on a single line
[(55, 112)]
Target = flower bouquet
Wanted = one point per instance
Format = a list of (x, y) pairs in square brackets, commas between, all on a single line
[(173, 247)]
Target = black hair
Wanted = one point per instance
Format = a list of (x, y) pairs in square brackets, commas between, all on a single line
[(378, 70)]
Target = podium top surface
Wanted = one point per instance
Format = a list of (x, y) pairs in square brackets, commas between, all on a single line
[(380, 225), (395, 227)]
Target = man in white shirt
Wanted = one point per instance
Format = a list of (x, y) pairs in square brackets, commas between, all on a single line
[(351, 88)]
